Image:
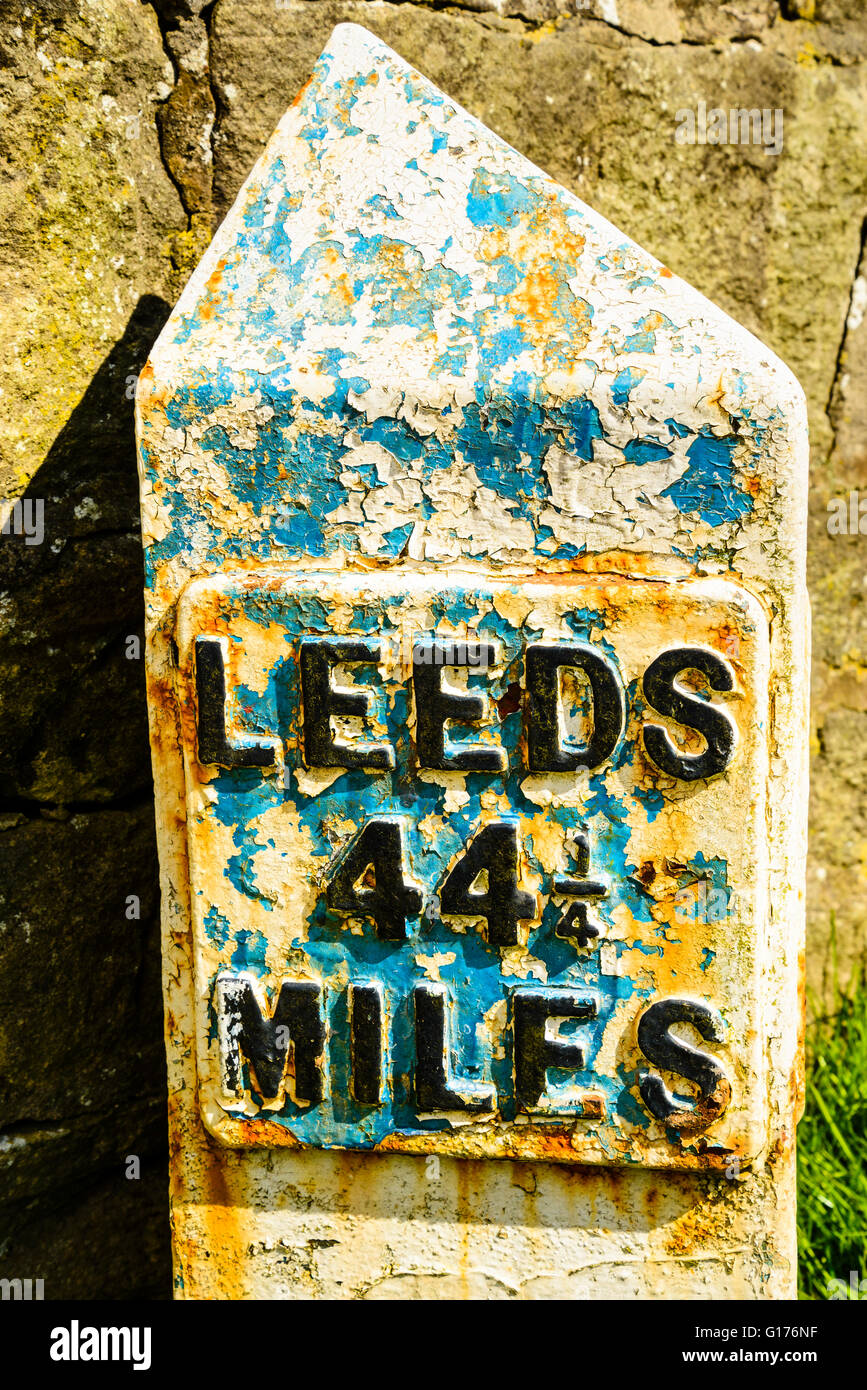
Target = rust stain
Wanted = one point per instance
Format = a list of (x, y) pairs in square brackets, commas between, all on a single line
[(701, 1226), (300, 97), (548, 249), (207, 306), (798, 1082)]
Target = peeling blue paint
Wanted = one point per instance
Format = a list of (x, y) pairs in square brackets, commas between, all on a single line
[(334, 952), (297, 434)]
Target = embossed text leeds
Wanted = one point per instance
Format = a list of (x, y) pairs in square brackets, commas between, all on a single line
[(547, 747)]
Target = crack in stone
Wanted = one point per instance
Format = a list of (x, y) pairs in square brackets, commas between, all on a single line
[(481, 11), (793, 9), (31, 808), (543, 26), (219, 104), (185, 128), (839, 361), (669, 43), (163, 25), (28, 1127)]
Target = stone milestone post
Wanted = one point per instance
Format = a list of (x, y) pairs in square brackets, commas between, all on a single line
[(477, 672)]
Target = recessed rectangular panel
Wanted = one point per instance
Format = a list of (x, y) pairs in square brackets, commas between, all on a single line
[(477, 864)]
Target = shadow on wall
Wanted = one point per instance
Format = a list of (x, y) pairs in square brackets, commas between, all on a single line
[(83, 1157)]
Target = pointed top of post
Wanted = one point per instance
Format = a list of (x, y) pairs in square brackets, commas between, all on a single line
[(388, 240), (393, 267)]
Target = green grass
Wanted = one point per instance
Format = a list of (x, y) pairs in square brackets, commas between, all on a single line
[(832, 1142)]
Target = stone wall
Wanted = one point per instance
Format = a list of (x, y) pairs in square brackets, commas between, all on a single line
[(128, 129)]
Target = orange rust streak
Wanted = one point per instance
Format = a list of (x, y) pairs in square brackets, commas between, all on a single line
[(798, 1082), (701, 1226), (300, 95), (208, 306)]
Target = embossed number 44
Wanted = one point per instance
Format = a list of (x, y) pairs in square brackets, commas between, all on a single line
[(370, 881)]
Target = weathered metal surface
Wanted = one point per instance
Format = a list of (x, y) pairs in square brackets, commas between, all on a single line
[(416, 392), (672, 900)]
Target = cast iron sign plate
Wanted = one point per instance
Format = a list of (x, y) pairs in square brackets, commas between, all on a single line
[(463, 874)]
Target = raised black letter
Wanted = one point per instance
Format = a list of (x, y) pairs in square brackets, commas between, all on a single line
[(433, 706), (321, 699), (265, 1042), (535, 1052), (545, 750), (212, 742), (435, 1087), (365, 1042), (665, 696), (676, 1056)]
